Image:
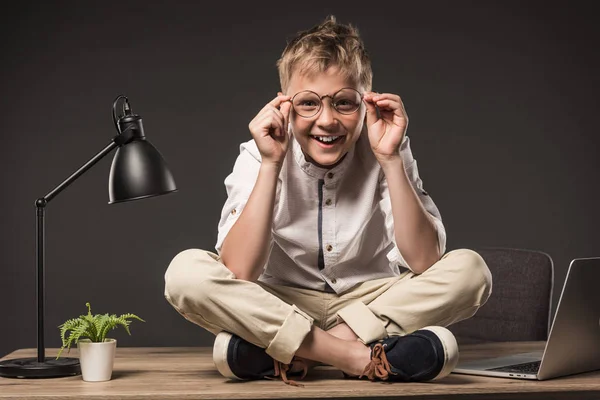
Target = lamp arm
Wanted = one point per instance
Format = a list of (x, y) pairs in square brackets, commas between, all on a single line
[(125, 137), (76, 174)]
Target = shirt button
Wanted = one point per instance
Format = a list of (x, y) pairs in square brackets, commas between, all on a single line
[(329, 247), (328, 202), (330, 175), (334, 281), (233, 212)]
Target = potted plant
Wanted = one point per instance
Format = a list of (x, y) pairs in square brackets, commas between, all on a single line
[(96, 351)]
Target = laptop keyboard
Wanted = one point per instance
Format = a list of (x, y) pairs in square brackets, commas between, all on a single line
[(526, 368)]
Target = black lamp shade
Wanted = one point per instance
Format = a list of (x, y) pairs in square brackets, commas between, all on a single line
[(138, 171)]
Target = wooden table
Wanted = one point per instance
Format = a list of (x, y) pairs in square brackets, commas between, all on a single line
[(189, 373)]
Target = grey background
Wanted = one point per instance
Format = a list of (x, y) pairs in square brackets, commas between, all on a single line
[(502, 100)]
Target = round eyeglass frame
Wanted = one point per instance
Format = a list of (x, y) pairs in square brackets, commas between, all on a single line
[(333, 104)]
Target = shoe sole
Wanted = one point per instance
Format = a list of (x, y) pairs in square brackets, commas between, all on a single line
[(220, 348), (450, 349)]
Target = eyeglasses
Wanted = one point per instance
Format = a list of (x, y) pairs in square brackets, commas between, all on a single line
[(308, 103)]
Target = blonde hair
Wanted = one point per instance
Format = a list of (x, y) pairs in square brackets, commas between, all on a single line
[(329, 44)]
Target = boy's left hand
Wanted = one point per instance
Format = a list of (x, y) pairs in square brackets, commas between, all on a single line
[(387, 130)]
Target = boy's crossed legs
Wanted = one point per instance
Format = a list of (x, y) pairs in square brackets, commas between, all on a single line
[(324, 327)]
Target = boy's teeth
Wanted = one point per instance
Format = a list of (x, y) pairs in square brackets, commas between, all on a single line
[(326, 139)]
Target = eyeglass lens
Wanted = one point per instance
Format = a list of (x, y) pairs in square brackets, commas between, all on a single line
[(307, 103)]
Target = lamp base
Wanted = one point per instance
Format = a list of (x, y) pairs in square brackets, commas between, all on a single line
[(31, 368)]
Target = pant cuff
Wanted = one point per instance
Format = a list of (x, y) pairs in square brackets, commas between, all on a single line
[(290, 336), (363, 322)]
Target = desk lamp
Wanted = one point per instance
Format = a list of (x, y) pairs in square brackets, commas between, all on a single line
[(138, 171)]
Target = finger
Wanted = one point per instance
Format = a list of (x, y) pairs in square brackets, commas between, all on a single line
[(275, 111), (379, 96), (285, 113), (390, 105), (276, 102), (370, 99), (368, 96), (269, 112), (258, 122), (266, 111), (273, 103), (376, 97), (281, 116), (392, 97), (274, 125), (277, 131), (372, 113), (398, 114), (269, 124)]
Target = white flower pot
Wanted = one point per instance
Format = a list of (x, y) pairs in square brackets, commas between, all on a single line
[(96, 359)]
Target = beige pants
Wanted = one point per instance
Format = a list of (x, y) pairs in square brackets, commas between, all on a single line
[(278, 318)]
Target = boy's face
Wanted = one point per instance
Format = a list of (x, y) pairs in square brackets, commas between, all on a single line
[(328, 123)]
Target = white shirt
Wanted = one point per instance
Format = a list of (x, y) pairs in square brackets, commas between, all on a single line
[(332, 228)]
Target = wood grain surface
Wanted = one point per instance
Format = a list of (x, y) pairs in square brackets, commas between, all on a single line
[(189, 373)]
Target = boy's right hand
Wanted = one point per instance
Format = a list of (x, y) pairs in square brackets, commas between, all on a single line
[(269, 130)]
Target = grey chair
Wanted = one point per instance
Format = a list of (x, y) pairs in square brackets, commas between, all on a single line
[(519, 307)]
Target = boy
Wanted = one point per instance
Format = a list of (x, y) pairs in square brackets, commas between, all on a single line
[(329, 250)]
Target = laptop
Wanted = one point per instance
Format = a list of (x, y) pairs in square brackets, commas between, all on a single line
[(573, 345)]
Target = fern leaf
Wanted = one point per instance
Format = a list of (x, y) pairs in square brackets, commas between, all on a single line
[(101, 322), (78, 332), (122, 322), (92, 323), (130, 316), (66, 326)]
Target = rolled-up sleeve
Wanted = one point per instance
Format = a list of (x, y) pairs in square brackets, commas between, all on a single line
[(410, 165), (238, 184)]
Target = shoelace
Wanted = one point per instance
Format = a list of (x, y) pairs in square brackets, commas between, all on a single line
[(282, 370), (378, 367)]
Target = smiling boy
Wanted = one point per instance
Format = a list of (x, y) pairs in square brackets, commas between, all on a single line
[(329, 250)]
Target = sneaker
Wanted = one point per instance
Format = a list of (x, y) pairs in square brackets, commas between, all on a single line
[(236, 358), (424, 355)]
